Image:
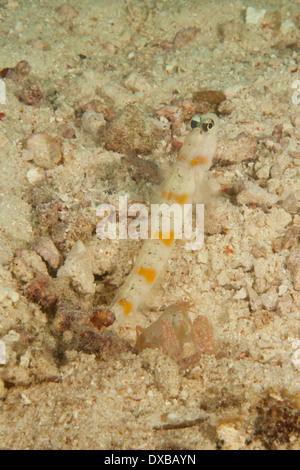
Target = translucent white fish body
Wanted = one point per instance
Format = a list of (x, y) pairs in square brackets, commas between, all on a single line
[(194, 158)]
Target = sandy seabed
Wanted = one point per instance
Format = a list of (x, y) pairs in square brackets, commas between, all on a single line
[(102, 79)]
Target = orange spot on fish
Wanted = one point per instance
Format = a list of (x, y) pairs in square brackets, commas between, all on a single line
[(179, 198), (127, 306), (198, 161), (166, 237), (149, 274)]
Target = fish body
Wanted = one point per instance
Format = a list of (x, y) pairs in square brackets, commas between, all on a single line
[(194, 158)]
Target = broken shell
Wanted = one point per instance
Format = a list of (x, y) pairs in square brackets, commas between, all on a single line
[(31, 94), (48, 251), (45, 150), (92, 123), (78, 268)]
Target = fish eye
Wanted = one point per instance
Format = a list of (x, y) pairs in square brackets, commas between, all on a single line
[(207, 124), (195, 121)]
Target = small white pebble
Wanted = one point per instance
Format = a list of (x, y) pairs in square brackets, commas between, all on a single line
[(203, 256), (233, 438), (35, 176), (223, 279), (287, 127), (19, 27), (282, 289), (172, 68), (296, 344), (2, 353), (286, 26), (79, 269), (25, 398), (3, 390), (136, 82), (296, 359), (172, 417), (234, 90), (13, 295), (270, 298), (11, 337), (27, 156), (241, 294), (8, 296), (254, 16), (263, 172), (295, 119)]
